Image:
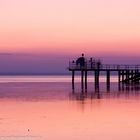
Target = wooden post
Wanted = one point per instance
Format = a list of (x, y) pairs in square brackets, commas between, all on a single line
[(86, 80), (108, 80), (139, 76), (132, 74), (82, 80), (73, 79), (119, 76), (136, 74), (96, 79), (122, 75), (127, 76), (128, 72)]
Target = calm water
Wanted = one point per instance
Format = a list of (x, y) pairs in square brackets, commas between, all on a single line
[(45, 108)]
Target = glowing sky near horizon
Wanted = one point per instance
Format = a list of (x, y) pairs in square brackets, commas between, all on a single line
[(70, 26)]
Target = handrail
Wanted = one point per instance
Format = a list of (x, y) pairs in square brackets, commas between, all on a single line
[(89, 65)]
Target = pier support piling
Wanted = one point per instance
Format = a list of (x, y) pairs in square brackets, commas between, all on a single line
[(108, 80), (96, 79), (119, 76), (73, 72), (122, 75), (82, 80), (85, 80), (126, 73)]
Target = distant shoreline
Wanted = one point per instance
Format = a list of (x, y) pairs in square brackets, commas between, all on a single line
[(45, 74), (31, 74)]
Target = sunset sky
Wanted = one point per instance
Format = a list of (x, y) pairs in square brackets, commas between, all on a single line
[(35, 33)]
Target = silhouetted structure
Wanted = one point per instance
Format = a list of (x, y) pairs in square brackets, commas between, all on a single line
[(81, 61), (126, 73)]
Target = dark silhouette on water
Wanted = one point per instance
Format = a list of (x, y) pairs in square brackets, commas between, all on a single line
[(125, 91), (81, 61), (126, 73)]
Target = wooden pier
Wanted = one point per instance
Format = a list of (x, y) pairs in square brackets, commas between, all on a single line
[(127, 74)]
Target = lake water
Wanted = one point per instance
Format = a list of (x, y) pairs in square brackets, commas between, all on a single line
[(46, 108)]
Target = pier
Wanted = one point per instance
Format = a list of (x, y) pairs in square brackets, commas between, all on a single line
[(127, 74)]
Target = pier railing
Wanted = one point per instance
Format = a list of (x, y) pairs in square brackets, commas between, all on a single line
[(94, 66)]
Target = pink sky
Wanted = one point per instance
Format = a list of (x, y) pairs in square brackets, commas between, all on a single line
[(70, 26)]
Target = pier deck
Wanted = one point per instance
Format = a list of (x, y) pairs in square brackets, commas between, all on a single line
[(126, 73)]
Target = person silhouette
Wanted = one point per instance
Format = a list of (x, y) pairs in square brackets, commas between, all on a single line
[(99, 64), (81, 61)]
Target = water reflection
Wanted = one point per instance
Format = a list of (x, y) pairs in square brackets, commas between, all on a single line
[(62, 91), (87, 115), (124, 91), (129, 87)]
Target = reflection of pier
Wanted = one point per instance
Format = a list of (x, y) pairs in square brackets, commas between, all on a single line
[(127, 74), (126, 91)]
